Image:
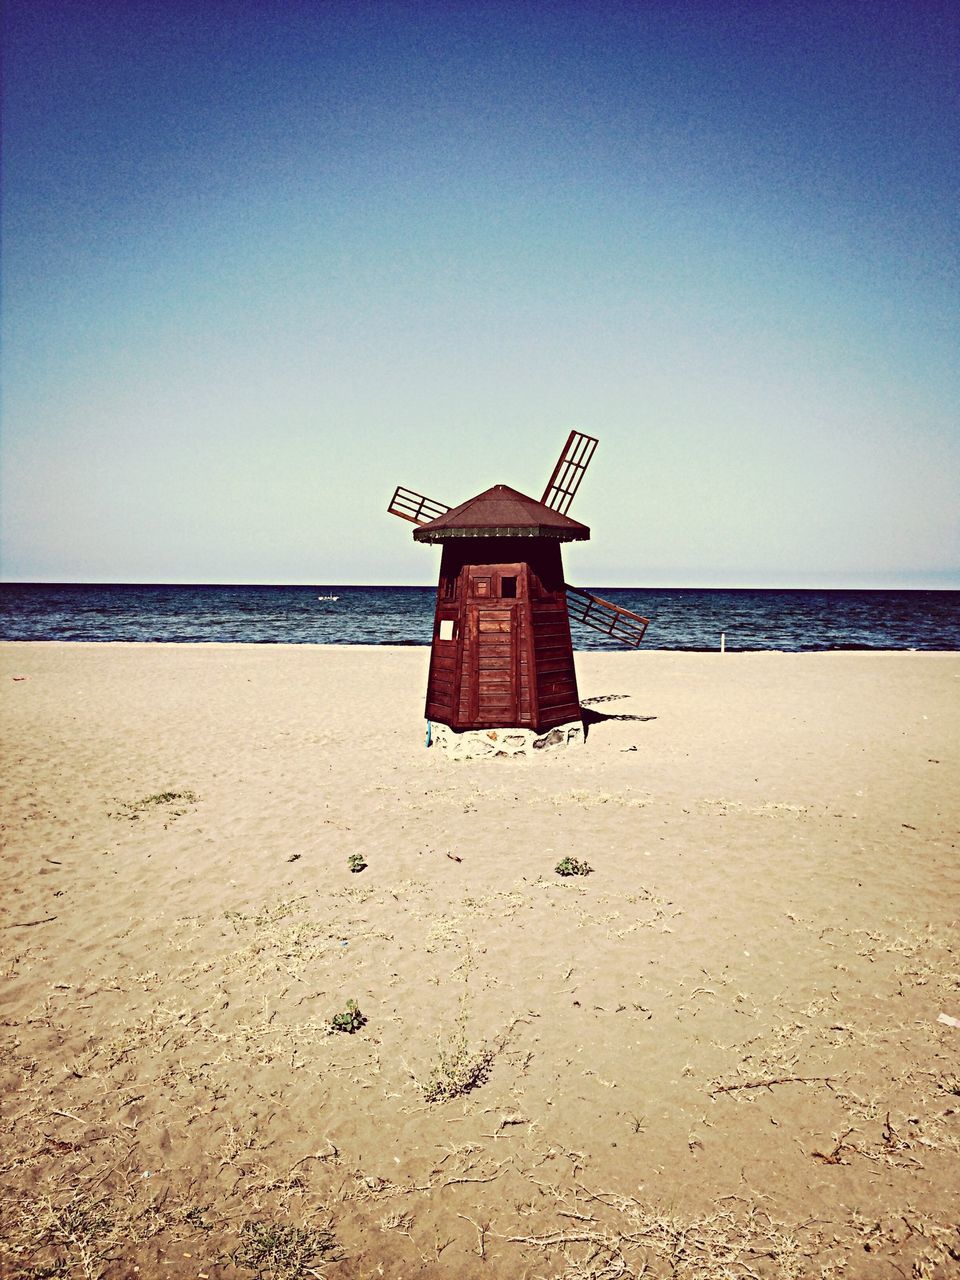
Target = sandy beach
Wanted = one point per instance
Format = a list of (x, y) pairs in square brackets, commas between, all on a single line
[(721, 1053)]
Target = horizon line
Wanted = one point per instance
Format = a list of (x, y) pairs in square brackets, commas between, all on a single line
[(380, 586)]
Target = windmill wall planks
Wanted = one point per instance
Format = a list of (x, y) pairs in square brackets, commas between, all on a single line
[(509, 659)]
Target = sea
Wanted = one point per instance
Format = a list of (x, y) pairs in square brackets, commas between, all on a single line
[(680, 618)]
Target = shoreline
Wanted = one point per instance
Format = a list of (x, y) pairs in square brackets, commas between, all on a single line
[(380, 648)]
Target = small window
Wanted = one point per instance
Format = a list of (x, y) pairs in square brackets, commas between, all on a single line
[(508, 588), (481, 586), (446, 629)]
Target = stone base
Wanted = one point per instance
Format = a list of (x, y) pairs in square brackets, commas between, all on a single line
[(474, 744)]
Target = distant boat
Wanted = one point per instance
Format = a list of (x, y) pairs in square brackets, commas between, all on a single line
[(328, 597)]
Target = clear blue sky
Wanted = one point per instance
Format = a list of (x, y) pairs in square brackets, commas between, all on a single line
[(263, 261)]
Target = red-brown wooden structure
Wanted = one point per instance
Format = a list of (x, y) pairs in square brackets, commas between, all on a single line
[(502, 654)]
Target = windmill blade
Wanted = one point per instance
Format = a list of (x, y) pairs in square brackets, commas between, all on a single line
[(413, 506), (603, 616), (568, 472)]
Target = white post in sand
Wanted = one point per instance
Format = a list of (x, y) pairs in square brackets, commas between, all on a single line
[(723, 642)]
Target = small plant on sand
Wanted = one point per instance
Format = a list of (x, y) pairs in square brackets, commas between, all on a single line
[(458, 1068), (356, 862), (174, 803), (77, 1236), (572, 867), (350, 1020), (275, 1252), (167, 797)]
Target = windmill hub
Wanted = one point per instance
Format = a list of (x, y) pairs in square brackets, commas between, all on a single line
[(502, 656)]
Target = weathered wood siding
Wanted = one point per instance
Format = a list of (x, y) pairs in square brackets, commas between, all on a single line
[(556, 679), (502, 654)]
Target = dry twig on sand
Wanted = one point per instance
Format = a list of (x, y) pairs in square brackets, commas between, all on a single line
[(768, 1084)]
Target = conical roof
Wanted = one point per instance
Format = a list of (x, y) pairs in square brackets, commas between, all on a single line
[(502, 512)]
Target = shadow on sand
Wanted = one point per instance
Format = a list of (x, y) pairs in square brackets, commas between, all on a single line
[(591, 717)]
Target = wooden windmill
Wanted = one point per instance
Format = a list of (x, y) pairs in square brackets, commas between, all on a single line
[(502, 656)]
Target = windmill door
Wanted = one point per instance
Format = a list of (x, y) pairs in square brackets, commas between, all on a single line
[(492, 639)]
